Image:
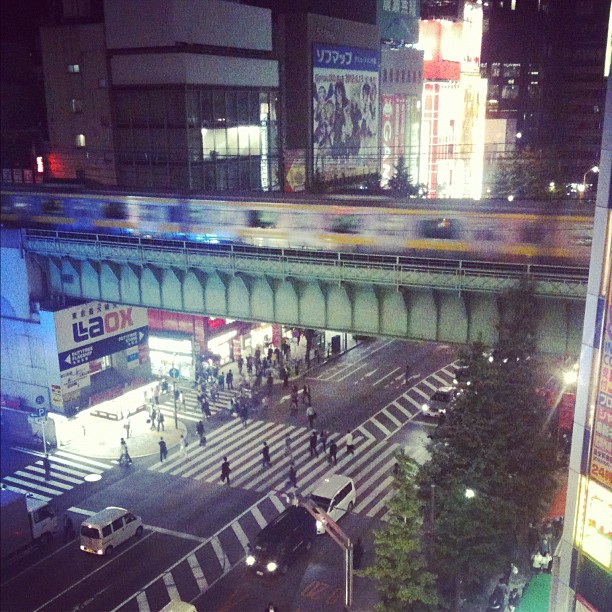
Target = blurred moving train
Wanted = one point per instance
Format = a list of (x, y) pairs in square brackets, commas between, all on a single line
[(546, 231)]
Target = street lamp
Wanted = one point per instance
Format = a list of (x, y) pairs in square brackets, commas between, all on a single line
[(470, 493), (583, 187)]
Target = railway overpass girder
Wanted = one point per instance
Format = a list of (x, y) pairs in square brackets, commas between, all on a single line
[(413, 312)]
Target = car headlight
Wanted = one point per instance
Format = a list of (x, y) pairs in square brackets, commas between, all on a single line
[(272, 566), (250, 560), (455, 381), (320, 523), (425, 407)]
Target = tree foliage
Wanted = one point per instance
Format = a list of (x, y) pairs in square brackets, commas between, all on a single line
[(494, 441), (401, 182), (400, 570), (527, 173)]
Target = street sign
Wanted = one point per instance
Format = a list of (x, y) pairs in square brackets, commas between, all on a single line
[(174, 373), (40, 399), (39, 412)]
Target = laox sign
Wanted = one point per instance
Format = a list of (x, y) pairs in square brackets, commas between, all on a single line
[(95, 327)]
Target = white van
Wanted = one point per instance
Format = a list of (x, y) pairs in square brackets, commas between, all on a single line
[(334, 495), (176, 605), (105, 530)]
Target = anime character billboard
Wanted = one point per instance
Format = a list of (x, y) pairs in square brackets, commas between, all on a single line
[(345, 111)]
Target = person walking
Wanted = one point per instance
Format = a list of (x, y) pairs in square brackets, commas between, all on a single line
[(182, 399), (183, 447), (293, 475), (47, 466), (306, 396), (127, 426), (407, 375), (240, 364), (124, 455), (200, 431), (68, 529), (288, 449), (156, 393), (206, 408), (221, 381), (229, 380), (244, 414), (153, 417), (313, 444), (160, 421), (323, 439), (225, 471), (312, 415), (333, 449), (357, 553), (163, 449), (350, 444), (265, 455)]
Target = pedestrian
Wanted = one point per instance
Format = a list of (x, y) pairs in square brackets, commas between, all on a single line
[(312, 415), (313, 444), (153, 417), (537, 562), (293, 475), (357, 553), (47, 466), (127, 427), (156, 395), (124, 455), (244, 414), (288, 449), (68, 529), (221, 381), (407, 375), (240, 364), (333, 449), (265, 456), (200, 431), (265, 402), (163, 449), (270, 608), (350, 445), (182, 399), (249, 364), (206, 408), (183, 446), (285, 375), (323, 439), (305, 395), (225, 471), (161, 419), (229, 379)]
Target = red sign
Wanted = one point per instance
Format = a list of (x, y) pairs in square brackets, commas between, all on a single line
[(566, 412)]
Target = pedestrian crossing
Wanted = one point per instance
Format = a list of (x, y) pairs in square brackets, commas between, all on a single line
[(209, 561), (68, 470), (392, 417), (191, 411)]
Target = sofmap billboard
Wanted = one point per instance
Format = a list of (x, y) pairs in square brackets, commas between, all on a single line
[(345, 111), (97, 329)]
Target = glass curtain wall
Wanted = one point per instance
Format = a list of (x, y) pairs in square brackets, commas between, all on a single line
[(197, 138)]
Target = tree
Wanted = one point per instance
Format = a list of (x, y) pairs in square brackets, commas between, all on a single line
[(494, 441), (401, 181), (527, 173), (400, 571)]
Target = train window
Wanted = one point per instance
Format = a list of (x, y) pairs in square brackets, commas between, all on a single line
[(52, 207), (345, 224), (442, 229), (262, 218), (114, 210)]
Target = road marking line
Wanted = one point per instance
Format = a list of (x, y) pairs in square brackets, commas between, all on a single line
[(363, 365), (421, 392), (380, 426), (57, 473), (368, 434), (259, 517), (36, 478), (390, 416), (85, 468), (418, 405), (401, 408), (429, 384), (385, 376), (221, 554), (24, 492), (171, 587), (385, 484), (33, 484), (178, 534), (196, 570), (72, 455), (277, 503), (242, 537), (143, 604), (371, 373), (443, 381)]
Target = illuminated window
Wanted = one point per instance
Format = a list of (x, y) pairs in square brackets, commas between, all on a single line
[(512, 70), (79, 140), (495, 69), (74, 68), (76, 105)]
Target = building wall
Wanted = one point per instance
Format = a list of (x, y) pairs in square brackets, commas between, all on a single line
[(191, 22), (77, 102)]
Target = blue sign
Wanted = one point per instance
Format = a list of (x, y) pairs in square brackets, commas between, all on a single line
[(345, 58), (102, 348), (40, 399), (39, 412), (174, 373)]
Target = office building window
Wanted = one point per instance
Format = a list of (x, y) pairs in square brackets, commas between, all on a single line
[(76, 105), (74, 68), (79, 140), (512, 70), (495, 69)]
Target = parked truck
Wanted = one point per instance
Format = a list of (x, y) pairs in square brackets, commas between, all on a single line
[(26, 522)]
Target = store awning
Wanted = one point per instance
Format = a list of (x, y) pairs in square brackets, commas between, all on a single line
[(557, 508)]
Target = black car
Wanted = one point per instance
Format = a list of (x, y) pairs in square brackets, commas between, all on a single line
[(279, 543)]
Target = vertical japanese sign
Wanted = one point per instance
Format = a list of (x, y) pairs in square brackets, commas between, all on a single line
[(345, 111), (601, 452), (393, 134)]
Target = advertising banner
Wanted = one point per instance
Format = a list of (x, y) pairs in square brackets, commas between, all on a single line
[(601, 450), (398, 20), (345, 111), (97, 329), (393, 134)]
